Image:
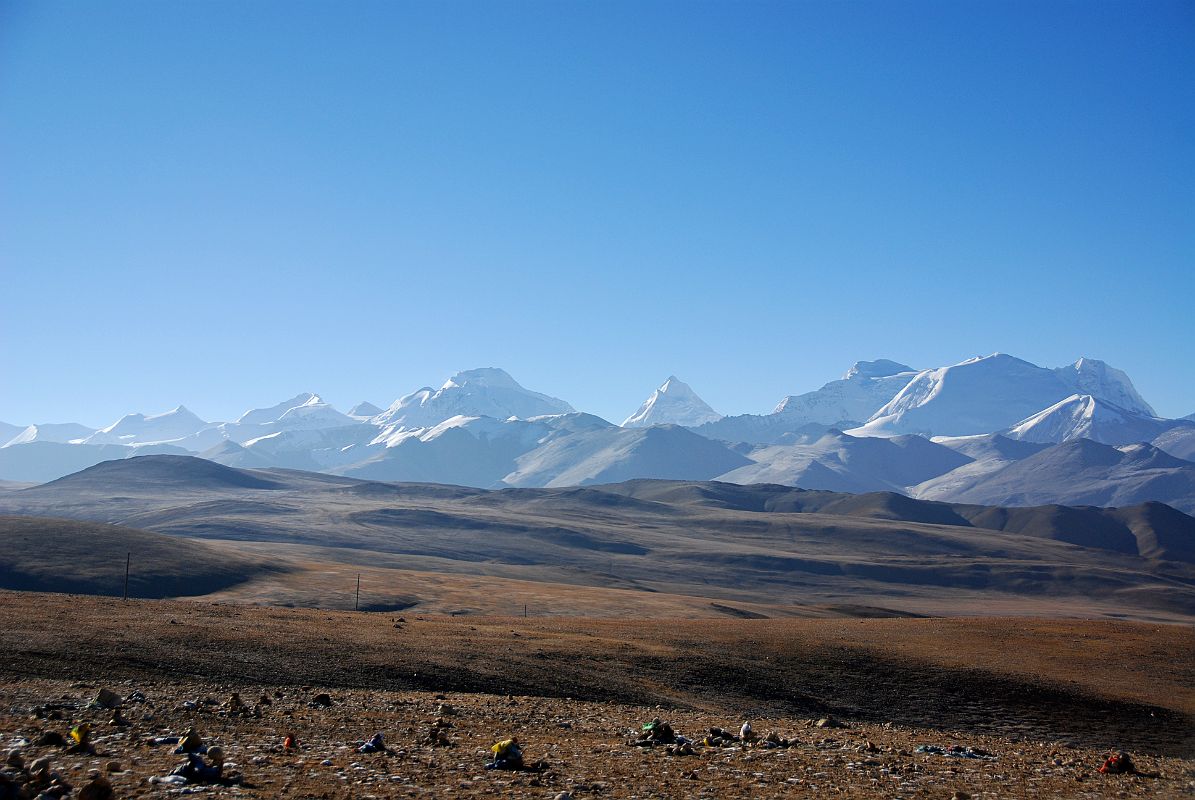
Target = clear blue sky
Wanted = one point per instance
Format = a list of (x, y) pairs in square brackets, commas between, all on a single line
[(224, 203)]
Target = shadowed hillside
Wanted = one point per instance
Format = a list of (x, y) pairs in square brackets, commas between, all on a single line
[(59, 555)]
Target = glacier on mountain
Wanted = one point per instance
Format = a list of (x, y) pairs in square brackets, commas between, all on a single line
[(990, 393), (62, 432), (674, 403), (364, 410), (133, 429), (865, 387), (1090, 376), (1087, 417), (488, 392)]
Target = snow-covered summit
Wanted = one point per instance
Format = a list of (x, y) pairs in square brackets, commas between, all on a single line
[(673, 403), (142, 429), (364, 410), (488, 392), (258, 416), (305, 411), (1093, 377), (62, 432), (880, 368), (492, 377), (314, 415), (864, 388), (1087, 417), (988, 394)]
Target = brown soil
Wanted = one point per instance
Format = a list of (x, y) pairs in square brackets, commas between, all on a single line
[(1047, 699)]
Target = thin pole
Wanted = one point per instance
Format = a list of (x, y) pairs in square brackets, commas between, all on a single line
[(127, 561), (357, 602), (524, 610)]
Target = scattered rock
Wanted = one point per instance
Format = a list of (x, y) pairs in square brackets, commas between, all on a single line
[(106, 699), (98, 789), (50, 739)]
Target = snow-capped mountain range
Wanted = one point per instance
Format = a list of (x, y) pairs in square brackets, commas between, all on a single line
[(963, 430)]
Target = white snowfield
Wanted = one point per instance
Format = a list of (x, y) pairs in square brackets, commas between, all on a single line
[(1002, 429)]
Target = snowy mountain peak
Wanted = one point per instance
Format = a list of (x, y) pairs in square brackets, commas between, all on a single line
[(492, 377), (675, 386), (314, 413), (141, 429), (673, 403), (487, 392), (62, 432), (864, 388), (1082, 416), (364, 410), (880, 368), (257, 416), (179, 416), (992, 393), (1094, 377)]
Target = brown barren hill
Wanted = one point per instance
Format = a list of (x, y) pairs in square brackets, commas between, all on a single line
[(62, 555)]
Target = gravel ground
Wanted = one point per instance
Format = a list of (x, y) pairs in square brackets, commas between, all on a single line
[(585, 746)]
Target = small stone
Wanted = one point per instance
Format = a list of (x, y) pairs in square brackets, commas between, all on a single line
[(50, 739), (106, 699), (97, 789), (113, 766)]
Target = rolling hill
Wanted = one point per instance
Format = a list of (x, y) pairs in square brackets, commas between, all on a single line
[(782, 550)]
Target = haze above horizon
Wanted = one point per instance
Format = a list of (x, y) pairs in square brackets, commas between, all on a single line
[(220, 204)]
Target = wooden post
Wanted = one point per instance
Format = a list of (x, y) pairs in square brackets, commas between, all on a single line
[(127, 561), (357, 602)]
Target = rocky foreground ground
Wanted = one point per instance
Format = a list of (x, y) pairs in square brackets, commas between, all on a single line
[(51, 678), (584, 744)]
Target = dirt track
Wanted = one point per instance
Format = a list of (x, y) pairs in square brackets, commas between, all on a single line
[(1032, 692)]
